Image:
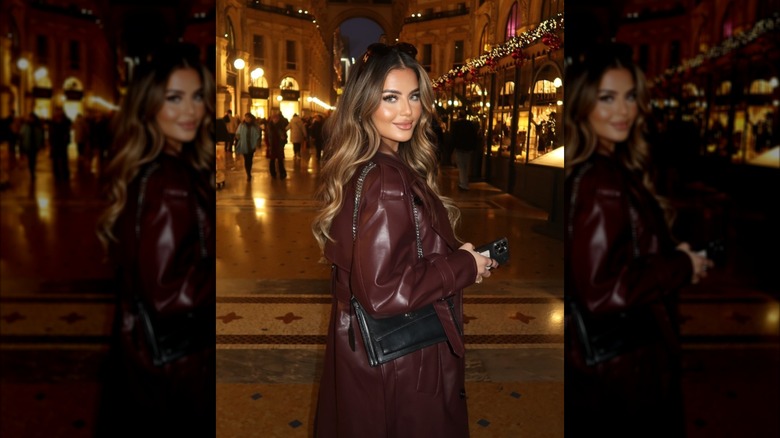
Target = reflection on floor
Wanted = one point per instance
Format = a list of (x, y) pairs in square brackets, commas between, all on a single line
[(55, 314)]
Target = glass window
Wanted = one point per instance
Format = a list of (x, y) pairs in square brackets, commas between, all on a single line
[(258, 50), (426, 56), (458, 53), (74, 55), (291, 56), (512, 22)]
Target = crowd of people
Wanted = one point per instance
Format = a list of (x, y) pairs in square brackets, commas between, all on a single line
[(30, 135), (270, 135)]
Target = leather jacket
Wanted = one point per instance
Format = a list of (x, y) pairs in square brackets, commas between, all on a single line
[(166, 254), (623, 272), (421, 394)]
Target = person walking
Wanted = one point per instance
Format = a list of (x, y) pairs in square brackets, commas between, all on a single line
[(388, 233), (231, 123), (315, 135), (248, 139), (623, 268), (275, 139), (59, 138), (158, 230), (465, 139), (297, 134), (32, 137)]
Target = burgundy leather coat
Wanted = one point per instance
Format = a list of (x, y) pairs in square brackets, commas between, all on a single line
[(620, 259), (166, 258), (421, 394)]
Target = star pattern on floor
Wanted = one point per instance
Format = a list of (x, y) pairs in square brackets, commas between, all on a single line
[(525, 319), (72, 318), (13, 317), (288, 318), (230, 317)]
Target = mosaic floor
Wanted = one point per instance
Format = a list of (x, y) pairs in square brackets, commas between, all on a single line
[(55, 315)]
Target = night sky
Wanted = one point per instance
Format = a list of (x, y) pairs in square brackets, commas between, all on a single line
[(360, 33)]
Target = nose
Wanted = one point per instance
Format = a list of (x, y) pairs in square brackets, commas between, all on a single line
[(622, 106), (189, 106), (406, 107)]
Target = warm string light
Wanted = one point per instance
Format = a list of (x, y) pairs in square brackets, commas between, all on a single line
[(762, 27), (546, 32)]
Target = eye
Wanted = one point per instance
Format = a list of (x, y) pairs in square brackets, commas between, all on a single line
[(631, 97), (390, 98), (415, 97), (607, 98), (198, 97), (175, 98)]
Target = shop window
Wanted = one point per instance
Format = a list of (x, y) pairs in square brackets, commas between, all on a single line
[(42, 49), (458, 54)]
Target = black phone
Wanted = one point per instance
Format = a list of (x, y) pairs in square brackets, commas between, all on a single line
[(497, 250)]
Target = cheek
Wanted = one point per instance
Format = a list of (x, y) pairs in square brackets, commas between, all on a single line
[(167, 114), (383, 114)]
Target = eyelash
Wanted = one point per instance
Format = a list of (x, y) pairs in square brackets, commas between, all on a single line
[(393, 97), (177, 98)]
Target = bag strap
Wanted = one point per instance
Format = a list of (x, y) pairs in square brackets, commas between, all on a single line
[(358, 192)]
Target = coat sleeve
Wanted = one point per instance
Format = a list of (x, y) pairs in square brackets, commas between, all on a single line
[(607, 276), (175, 273), (387, 276)]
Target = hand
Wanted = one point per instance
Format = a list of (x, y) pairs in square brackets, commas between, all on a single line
[(484, 264), (700, 263)]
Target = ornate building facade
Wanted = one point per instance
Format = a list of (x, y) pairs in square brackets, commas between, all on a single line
[(78, 55)]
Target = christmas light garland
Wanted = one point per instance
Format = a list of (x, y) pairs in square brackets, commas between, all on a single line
[(547, 32), (761, 28)]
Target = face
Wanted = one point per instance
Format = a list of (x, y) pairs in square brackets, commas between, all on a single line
[(616, 108), (182, 112), (400, 107)]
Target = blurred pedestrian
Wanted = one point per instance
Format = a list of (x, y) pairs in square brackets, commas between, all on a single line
[(59, 139), (297, 134), (276, 138), (465, 140), (248, 139), (32, 135)]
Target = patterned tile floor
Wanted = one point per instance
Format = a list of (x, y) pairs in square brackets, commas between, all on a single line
[(55, 314)]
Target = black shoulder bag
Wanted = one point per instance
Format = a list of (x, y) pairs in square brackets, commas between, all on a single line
[(386, 339)]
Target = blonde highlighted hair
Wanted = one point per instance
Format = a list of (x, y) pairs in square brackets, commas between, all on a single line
[(352, 139)]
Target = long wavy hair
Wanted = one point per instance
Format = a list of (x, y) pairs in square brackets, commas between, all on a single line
[(583, 78), (138, 139), (352, 139)]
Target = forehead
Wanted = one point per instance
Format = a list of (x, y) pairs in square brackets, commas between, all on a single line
[(617, 79), (401, 78), (183, 79)]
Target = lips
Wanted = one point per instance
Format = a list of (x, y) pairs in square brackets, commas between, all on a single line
[(189, 126), (624, 126), (404, 126)]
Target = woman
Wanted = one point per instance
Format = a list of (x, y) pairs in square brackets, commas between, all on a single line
[(248, 138), (158, 229), (623, 268), (384, 117)]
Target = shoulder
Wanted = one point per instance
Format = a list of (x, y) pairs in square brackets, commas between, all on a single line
[(599, 175), (387, 179)]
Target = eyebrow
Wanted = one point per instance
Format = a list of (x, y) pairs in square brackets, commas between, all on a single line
[(177, 91), (416, 90)]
